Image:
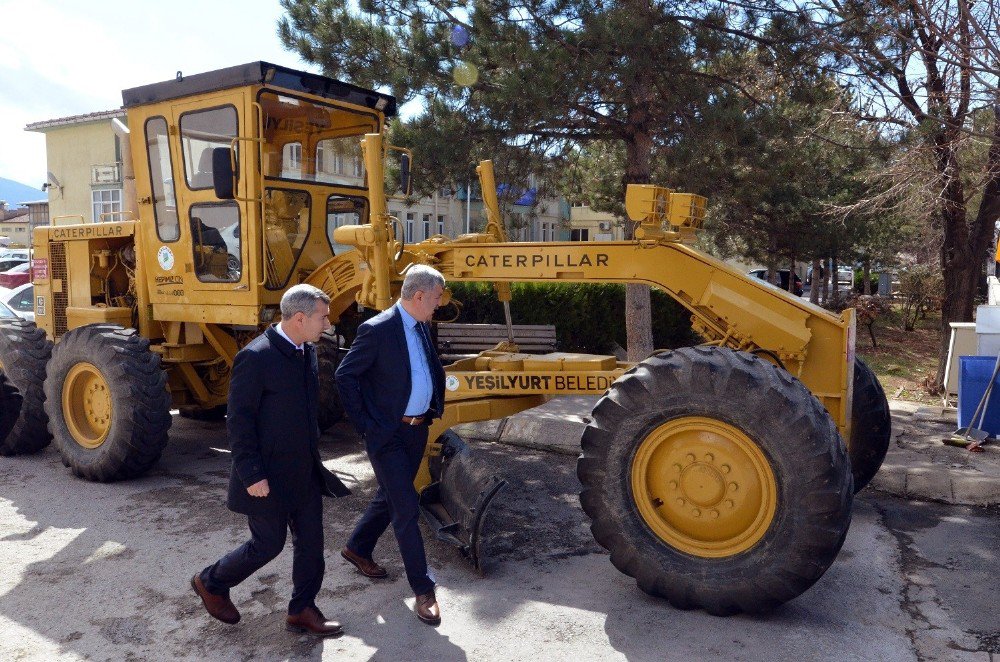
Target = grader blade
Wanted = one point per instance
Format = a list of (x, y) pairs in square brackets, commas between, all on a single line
[(456, 503)]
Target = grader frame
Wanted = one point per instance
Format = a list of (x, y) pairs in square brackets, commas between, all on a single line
[(235, 200)]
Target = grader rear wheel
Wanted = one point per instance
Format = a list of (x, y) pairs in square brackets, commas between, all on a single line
[(871, 426), (107, 402), (717, 480), (24, 353)]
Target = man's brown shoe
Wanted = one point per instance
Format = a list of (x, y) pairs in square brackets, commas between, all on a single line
[(312, 621), (366, 567), (427, 608), (218, 606)]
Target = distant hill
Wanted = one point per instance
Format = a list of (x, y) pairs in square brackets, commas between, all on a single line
[(16, 192)]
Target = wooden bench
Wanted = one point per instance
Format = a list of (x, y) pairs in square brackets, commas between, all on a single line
[(456, 341)]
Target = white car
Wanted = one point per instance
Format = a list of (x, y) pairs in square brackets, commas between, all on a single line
[(21, 300)]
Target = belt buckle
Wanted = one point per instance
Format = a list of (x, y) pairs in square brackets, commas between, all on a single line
[(413, 420)]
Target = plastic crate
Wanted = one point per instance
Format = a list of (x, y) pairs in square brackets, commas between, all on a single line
[(974, 375)]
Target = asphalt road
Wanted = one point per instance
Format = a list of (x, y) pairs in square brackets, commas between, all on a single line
[(92, 571)]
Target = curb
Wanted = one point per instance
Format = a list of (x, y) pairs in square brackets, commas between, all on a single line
[(917, 466)]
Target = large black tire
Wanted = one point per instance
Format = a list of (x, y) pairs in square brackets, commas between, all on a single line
[(24, 353), (328, 355), (730, 426), (116, 415), (871, 426), (10, 406)]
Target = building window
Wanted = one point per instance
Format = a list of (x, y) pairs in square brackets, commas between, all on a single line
[(408, 236), (579, 235), (440, 229), (106, 201), (426, 226)]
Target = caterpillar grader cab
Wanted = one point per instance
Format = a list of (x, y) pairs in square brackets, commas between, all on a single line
[(719, 476)]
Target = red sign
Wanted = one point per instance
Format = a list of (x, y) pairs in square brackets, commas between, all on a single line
[(40, 269)]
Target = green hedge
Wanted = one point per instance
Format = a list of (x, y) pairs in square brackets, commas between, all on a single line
[(588, 317)]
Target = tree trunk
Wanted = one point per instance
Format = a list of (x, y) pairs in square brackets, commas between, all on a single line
[(835, 276), (638, 150), (815, 281), (826, 279), (791, 276), (964, 248), (866, 276)]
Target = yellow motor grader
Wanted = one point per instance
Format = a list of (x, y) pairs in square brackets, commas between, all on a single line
[(718, 476)]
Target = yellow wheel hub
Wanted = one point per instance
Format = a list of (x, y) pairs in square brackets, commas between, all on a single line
[(704, 487), (86, 405)]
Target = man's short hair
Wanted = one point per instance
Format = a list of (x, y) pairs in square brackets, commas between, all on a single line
[(420, 278), (301, 298)]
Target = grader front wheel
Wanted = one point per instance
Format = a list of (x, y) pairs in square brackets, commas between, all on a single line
[(107, 402), (717, 480), (871, 425)]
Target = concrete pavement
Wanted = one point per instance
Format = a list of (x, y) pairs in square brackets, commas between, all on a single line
[(917, 466)]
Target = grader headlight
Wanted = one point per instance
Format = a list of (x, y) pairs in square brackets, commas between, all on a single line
[(354, 235), (664, 214)]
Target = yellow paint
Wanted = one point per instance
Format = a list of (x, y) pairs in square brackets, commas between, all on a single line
[(703, 487), (87, 405)]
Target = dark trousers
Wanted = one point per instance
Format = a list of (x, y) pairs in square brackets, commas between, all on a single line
[(267, 539), (395, 503)]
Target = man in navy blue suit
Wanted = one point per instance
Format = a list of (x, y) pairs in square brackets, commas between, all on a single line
[(277, 479), (392, 386)]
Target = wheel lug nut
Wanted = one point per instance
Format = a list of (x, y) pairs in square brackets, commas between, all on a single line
[(690, 457), (726, 468), (730, 503), (673, 484), (714, 514), (696, 512), (733, 487), (709, 457)]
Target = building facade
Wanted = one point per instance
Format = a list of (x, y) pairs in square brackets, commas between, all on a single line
[(83, 156), (85, 185)]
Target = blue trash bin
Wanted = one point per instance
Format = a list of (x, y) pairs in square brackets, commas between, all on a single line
[(973, 375)]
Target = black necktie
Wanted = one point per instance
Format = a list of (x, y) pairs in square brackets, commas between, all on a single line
[(299, 352), (426, 342)]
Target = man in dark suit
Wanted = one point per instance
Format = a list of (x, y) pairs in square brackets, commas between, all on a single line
[(392, 386), (277, 479)]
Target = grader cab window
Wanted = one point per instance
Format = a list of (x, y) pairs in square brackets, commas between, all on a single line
[(201, 132), (162, 180), (313, 142), (286, 228), (340, 211), (215, 238)]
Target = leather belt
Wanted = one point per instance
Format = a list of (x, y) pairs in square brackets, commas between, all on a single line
[(413, 420)]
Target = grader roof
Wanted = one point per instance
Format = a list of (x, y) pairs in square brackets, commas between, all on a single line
[(259, 73)]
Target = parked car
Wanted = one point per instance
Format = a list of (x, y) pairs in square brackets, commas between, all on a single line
[(762, 274), (7, 263), (15, 276), (21, 300), (22, 254), (6, 313)]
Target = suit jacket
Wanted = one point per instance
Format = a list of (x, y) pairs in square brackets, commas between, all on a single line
[(374, 378), (273, 426)]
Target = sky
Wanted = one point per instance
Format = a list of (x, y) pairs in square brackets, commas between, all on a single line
[(67, 57)]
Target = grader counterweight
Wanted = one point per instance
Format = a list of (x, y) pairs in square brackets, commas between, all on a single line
[(718, 476)]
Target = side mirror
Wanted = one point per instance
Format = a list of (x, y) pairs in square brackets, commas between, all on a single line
[(223, 176), (405, 181)]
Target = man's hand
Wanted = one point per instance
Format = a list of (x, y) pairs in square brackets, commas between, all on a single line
[(259, 489)]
